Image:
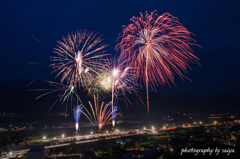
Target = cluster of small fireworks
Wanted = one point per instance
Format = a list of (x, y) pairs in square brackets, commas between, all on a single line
[(101, 113), (151, 47), (117, 79)]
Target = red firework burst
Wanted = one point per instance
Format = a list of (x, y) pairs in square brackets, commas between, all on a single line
[(157, 46)]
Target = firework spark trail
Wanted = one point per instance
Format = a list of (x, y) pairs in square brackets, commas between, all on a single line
[(77, 113), (35, 79), (66, 92), (78, 57), (157, 46), (41, 42), (114, 111)]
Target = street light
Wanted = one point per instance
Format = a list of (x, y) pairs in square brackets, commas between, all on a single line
[(44, 137), (62, 135), (54, 138), (200, 122), (144, 128), (91, 132)]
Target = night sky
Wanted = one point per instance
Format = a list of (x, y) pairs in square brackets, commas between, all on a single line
[(215, 24)]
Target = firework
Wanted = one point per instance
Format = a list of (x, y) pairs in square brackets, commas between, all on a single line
[(157, 46), (77, 113), (101, 114), (77, 57), (95, 88), (116, 76), (66, 93), (114, 111)]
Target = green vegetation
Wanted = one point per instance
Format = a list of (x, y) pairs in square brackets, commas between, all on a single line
[(71, 147), (102, 154), (165, 136), (23, 157), (6, 143), (238, 140), (147, 143), (127, 146)]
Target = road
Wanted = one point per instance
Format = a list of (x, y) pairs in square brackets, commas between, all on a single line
[(19, 152), (112, 135)]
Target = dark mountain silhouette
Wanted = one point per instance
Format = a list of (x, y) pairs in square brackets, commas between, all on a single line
[(16, 97)]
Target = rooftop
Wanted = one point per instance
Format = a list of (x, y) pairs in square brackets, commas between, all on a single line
[(36, 149)]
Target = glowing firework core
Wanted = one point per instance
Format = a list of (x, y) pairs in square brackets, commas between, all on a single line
[(100, 126), (78, 60), (115, 72), (106, 82), (78, 57)]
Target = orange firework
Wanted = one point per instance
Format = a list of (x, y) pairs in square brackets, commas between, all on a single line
[(101, 114), (157, 46)]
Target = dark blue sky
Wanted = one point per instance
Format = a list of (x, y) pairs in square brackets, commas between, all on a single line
[(214, 22)]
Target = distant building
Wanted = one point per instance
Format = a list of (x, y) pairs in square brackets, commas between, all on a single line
[(62, 114), (87, 154), (174, 143), (151, 147), (237, 121), (36, 152), (2, 129), (140, 154), (229, 143)]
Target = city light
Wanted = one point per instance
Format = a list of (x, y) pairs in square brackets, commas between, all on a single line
[(54, 138), (144, 128), (200, 122), (91, 132), (63, 135), (44, 137), (195, 123)]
